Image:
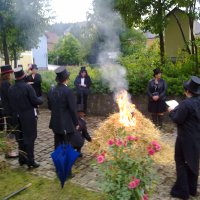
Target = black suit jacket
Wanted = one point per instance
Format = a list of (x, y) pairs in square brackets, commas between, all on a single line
[(23, 100), (37, 80), (61, 102)]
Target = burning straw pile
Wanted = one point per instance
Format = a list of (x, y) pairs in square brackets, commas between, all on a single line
[(134, 124)]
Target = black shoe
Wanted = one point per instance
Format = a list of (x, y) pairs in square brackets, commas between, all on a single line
[(87, 137), (80, 155), (22, 163), (33, 165), (176, 195)]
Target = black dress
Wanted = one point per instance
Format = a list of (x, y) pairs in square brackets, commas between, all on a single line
[(157, 89), (187, 148)]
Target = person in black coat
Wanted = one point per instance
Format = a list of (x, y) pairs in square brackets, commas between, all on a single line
[(23, 101), (61, 102), (187, 148), (156, 92), (82, 83), (35, 80), (6, 79)]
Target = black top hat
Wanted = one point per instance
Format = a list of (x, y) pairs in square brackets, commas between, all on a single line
[(193, 85), (19, 73), (20, 66), (156, 71), (33, 66), (6, 69), (62, 74)]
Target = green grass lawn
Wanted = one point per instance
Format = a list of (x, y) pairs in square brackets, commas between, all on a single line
[(42, 189)]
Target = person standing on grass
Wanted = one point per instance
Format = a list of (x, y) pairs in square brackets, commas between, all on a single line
[(5, 83), (61, 102), (187, 148), (82, 84), (23, 101), (156, 92)]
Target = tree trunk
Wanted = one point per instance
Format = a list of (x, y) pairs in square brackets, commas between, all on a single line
[(5, 48), (182, 33), (15, 57), (162, 48)]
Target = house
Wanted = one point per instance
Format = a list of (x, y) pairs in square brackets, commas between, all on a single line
[(37, 55), (52, 39), (174, 42), (151, 38)]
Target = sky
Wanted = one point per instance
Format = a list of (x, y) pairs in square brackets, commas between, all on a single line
[(70, 11)]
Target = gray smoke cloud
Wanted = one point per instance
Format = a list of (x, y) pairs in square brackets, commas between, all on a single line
[(112, 73)]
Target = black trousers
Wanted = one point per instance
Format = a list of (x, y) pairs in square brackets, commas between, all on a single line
[(61, 139), (186, 181), (82, 99)]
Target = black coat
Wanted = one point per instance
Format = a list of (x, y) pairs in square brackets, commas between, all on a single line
[(187, 117), (37, 80), (157, 90), (23, 100), (80, 89), (61, 102), (5, 85)]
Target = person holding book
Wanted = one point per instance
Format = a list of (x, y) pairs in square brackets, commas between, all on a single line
[(187, 148)]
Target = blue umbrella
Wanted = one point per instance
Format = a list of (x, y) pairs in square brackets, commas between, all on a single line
[(64, 157)]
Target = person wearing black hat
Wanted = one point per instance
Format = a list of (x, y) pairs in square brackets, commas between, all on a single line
[(35, 80), (82, 83), (23, 101), (61, 102), (156, 92), (187, 148), (5, 83)]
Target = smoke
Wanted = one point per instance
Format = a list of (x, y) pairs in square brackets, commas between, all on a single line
[(110, 27)]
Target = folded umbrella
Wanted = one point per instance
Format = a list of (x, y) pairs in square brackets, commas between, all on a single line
[(64, 157)]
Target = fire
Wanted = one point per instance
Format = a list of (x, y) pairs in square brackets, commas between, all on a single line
[(126, 109)]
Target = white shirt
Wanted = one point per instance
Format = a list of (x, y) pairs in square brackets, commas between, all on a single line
[(82, 81)]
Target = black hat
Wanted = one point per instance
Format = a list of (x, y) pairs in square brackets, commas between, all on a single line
[(156, 71), (6, 69), (20, 66), (33, 66), (19, 73), (83, 69), (62, 74), (193, 85)]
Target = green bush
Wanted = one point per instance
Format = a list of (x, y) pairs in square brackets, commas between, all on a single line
[(48, 79)]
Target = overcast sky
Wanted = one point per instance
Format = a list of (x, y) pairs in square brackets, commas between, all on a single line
[(71, 10)]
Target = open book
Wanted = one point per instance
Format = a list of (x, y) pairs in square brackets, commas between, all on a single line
[(172, 103)]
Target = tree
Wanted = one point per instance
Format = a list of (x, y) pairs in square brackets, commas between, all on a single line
[(25, 21), (147, 15), (66, 52)]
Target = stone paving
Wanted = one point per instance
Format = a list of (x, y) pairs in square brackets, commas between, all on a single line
[(85, 174)]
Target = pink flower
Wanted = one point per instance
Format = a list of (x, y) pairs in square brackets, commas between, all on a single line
[(156, 146), (145, 197), (100, 159), (110, 142), (119, 143), (151, 151), (134, 184), (132, 138), (125, 143)]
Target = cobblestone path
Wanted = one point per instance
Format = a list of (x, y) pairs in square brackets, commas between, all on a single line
[(85, 174)]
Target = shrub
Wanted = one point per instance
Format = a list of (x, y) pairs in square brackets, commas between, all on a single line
[(124, 177)]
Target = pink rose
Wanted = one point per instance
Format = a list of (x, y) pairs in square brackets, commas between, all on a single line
[(110, 142), (137, 181), (151, 151), (119, 143), (100, 159), (125, 143), (145, 197), (132, 138), (156, 145), (132, 185)]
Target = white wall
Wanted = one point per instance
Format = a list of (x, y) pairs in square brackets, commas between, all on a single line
[(40, 54)]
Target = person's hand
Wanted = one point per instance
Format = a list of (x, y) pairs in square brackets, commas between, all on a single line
[(30, 83), (169, 109), (155, 98), (77, 127)]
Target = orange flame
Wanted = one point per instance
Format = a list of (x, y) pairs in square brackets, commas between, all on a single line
[(126, 108)]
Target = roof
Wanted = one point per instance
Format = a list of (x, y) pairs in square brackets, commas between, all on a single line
[(150, 35), (51, 37)]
